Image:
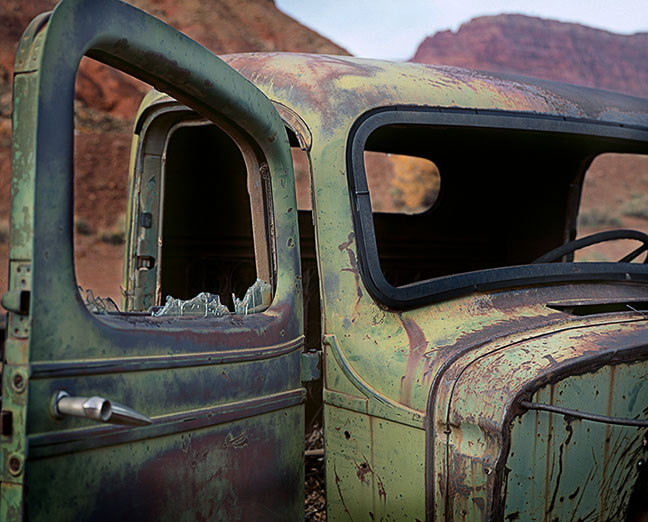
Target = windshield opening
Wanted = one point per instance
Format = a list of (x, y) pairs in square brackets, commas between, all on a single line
[(507, 196)]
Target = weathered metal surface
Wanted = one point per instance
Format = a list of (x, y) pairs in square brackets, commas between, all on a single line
[(16, 353), (373, 467), (477, 394), (562, 467), (311, 366), (328, 92), (224, 393), (199, 474), (467, 334), (381, 363)]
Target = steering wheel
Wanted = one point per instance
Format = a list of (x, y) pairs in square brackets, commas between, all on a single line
[(594, 239)]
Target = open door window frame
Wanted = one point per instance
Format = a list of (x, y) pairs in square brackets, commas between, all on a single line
[(54, 335)]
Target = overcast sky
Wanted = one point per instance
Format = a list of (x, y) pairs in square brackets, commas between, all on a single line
[(393, 29)]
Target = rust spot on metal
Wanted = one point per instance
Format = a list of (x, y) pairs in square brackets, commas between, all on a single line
[(551, 360), (364, 469), (344, 246), (382, 494), (417, 348), (561, 450), (339, 490), (315, 79), (354, 269)]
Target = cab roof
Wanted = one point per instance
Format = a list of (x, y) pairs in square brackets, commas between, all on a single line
[(339, 88)]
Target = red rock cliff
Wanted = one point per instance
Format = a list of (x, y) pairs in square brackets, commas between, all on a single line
[(545, 49)]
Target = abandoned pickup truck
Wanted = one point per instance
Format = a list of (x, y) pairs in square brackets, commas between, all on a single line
[(470, 368)]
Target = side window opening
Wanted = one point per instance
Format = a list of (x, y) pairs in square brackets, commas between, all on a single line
[(105, 101), (207, 236), (201, 233), (207, 250)]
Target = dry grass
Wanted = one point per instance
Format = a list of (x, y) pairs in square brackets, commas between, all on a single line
[(597, 218), (115, 234), (81, 226), (636, 206)]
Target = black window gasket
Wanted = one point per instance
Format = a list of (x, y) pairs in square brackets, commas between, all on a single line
[(445, 287)]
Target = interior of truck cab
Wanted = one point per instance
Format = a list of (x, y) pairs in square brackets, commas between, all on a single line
[(507, 197), (207, 238), (206, 233), (202, 226)]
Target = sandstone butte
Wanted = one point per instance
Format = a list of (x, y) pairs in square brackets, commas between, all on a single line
[(545, 49)]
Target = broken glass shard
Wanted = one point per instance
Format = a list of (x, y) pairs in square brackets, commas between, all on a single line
[(99, 305), (256, 299), (203, 305)]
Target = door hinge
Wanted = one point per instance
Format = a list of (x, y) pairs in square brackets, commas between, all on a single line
[(311, 366)]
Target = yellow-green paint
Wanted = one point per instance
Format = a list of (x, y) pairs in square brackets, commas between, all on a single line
[(562, 467), (375, 468)]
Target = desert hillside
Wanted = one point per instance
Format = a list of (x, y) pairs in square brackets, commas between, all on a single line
[(544, 49), (106, 99)]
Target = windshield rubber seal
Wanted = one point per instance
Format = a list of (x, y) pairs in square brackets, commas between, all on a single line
[(446, 287)]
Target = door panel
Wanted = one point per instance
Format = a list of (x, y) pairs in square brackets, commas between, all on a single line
[(224, 393)]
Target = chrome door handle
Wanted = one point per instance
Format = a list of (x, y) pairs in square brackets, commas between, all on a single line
[(97, 409)]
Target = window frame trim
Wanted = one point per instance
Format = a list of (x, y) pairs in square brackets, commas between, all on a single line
[(160, 121), (456, 285)]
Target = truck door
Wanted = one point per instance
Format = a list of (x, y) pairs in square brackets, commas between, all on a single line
[(125, 415)]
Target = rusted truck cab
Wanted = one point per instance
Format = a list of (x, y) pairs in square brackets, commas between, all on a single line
[(470, 368)]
